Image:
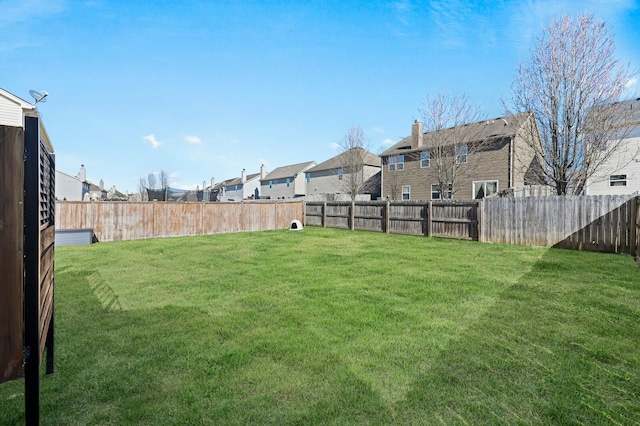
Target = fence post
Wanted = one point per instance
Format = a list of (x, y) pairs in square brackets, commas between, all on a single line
[(324, 214), (353, 215), (635, 228), (430, 219), (387, 217), (479, 217), (304, 213)]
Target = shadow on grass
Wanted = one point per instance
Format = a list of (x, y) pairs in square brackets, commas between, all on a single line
[(180, 365), (559, 347)]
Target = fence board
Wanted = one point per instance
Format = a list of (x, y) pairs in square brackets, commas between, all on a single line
[(117, 221), (593, 223), (12, 242)]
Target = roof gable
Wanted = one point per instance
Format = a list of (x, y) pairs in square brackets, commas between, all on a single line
[(291, 170), (339, 161), (500, 127)]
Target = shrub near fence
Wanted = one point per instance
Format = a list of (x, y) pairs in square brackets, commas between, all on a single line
[(117, 221)]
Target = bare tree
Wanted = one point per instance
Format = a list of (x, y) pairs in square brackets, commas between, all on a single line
[(448, 142), (154, 181), (353, 158), (163, 178), (571, 83)]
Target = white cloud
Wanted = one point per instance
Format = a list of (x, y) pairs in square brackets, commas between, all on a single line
[(334, 145), (378, 129), (233, 141), (154, 142), (193, 139), (632, 82), (387, 142)]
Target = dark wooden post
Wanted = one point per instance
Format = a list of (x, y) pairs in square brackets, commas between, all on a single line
[(324, 214), (352, 215), (430, 219), (32, 272), (479, 216), (387, 216), (635, 228)]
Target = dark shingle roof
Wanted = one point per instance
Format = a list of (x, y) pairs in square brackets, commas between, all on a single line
[(338, 161), (288, 171), (481, 130)]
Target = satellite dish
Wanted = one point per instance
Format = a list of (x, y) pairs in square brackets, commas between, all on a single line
[(39, 97)]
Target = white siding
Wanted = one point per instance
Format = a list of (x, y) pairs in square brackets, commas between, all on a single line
[(10, 113), (68, 188), (600, 185)]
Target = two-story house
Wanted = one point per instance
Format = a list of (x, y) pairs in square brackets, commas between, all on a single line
[(619, 173), (333, 179), (286, 181), (244, 187), (482, 158)]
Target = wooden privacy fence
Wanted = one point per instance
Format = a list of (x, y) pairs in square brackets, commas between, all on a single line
[(117, 221), (607, 223), (449, 219)]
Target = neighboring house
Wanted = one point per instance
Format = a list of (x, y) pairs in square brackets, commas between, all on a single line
[(219, 190), (70, 188), (286, 182), (330, 179), (503, 159), (620, 174), (244, 187)]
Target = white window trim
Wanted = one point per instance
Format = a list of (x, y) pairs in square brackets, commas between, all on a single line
[(465, 155), (408, 187), (473, 187), (428, 160), (613, 179), (395, 164)]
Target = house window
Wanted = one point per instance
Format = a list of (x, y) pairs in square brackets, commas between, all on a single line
[(425, 159), (308, 177), (435, 192), (340, 172), (396, 163), (288, 182), (461, 154), (484, 189), (406, 192), (618, 180)]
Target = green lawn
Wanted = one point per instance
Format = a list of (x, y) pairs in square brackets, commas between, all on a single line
[(339, 327)]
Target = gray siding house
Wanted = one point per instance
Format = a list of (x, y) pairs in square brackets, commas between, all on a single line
[(330, 179), (286, 181)]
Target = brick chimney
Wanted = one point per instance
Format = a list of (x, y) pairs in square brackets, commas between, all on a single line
[(417, 135)]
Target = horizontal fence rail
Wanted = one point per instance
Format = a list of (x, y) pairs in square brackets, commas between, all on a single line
[(118, 221), (449, 219)]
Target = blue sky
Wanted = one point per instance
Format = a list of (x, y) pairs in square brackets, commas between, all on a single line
[(204, 89)]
